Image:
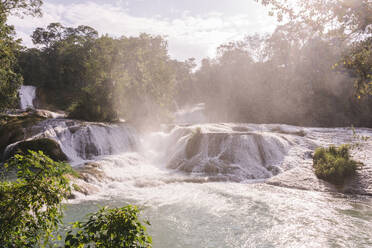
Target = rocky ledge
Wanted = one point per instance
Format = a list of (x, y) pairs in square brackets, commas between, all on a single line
[(303, 176)]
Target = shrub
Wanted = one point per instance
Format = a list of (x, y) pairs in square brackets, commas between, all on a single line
[(31, 209), (110, 228), (30, 206), (334, 164)]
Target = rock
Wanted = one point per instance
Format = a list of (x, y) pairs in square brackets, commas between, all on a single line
[(91, 150), (90, 172), (303, 177), (50, 148), (13, 128), (84, 188), (49, 114), (193, 144), (236, 156)]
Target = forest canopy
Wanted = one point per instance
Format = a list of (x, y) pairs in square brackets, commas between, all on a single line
[(100, 77), (315, 69)]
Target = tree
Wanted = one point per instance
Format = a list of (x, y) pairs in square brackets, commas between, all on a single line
[(110, 228), (9, 47), (9, 79), (184, 81), (358, 58), (101, 78), (348, 21), (30, 206), (31, 209), (325, 16), (56, 33), (280, 78), (22, 7)]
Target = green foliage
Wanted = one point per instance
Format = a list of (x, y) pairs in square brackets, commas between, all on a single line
[(359, 60), (30, 206), (261, 78), (22, 7), (93, 108), (56, 33), (334, 164), (32, 188), (110, 228), (101, 78), (353, 16), (9, 79), (348, 21)]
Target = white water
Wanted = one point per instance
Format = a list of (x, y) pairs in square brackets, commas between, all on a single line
[(212, 196), (84, 141), (225, 154), (255, 152), (188, 208), (27, 95), (193, 215), (191, 114)]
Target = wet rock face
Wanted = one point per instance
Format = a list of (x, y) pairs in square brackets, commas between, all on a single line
[(78, 140), (91, 172), (84, 140), (303, 176), (48, 146), (279, 154), (16, 127)]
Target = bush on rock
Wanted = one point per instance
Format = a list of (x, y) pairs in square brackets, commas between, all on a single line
[(333, 164)]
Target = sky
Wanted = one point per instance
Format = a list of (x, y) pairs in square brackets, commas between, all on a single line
[(193, 28)]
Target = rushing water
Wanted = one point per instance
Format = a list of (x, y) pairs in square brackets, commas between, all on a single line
[(244, 215), (192, 206), (203, 185), (27, 95)]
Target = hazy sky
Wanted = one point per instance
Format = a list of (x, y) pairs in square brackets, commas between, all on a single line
[(193, 28)]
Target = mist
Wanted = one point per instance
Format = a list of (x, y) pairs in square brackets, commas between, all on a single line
[(280, 78), (266, 144)]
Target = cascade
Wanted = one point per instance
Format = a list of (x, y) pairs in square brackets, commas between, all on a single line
[(198, 182), (191, 114), (228, 151), (27, 95), (84, 141)]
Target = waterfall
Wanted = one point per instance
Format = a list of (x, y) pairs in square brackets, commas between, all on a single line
[(191, 114), (226, 155), (186, 180), (81, 141), (27, 95)]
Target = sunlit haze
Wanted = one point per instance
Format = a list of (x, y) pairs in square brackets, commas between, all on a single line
[(196, 123)]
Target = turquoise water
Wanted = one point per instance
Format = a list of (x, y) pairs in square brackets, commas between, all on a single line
[(243, 215), (188, 210)]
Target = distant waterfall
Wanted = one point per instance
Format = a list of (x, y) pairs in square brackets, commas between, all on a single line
[(27, 95), (191, 114)]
